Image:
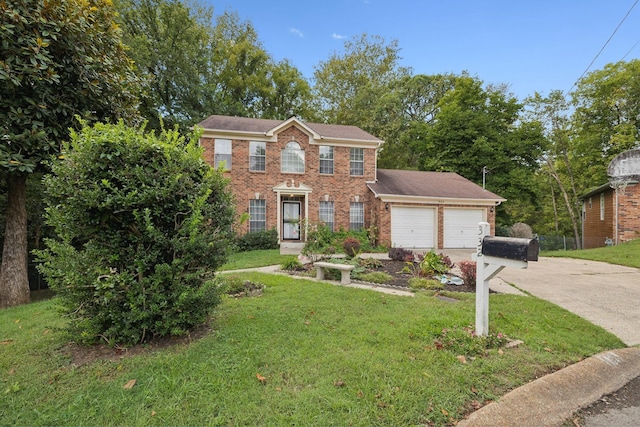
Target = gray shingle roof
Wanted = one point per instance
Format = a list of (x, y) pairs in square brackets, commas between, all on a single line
[(246, 124), (447, 185)]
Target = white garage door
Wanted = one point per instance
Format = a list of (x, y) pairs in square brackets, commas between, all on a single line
[(461, 227), (412, 227)]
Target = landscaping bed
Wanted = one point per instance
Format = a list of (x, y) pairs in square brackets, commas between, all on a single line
[(398, 271)]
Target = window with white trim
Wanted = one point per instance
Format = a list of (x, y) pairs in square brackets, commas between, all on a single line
[(222, 154), (292, 159), (601, 206), (356, 216), (257, 215), (325, 214), (326, 159), (257, 156), (356, 163)]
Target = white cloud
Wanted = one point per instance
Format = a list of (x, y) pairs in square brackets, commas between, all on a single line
[(296, 32), (338, 36)]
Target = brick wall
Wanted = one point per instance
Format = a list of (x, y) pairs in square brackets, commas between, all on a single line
[(597, 230), (340, 186), (629, 213)]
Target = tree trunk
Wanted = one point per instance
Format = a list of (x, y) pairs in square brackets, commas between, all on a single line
[(570, 209), (14, 280)]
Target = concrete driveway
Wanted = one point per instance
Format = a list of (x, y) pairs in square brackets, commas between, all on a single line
[(604, 294)]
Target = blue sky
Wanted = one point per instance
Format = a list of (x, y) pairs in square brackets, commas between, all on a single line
[(535, 45)]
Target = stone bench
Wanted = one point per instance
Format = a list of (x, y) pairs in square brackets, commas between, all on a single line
[(344, 269)]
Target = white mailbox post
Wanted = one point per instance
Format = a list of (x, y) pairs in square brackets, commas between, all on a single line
[(492, 255)]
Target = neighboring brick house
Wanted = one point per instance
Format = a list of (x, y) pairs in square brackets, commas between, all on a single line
[(285, 172), (610, 216)]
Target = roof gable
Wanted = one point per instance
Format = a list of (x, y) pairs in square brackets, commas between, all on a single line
[(429, 185)]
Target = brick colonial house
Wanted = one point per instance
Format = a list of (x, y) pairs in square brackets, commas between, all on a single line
[(284, 172), (610, 214)]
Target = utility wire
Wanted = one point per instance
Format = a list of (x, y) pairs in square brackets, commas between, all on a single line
[(629, 51), (605, 45)]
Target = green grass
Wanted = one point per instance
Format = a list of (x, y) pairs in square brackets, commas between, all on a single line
[(252, 259), (627, 253), (329, 355)]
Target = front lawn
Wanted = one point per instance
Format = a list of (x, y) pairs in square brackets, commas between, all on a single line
[(303, 353), (627, 253), (253, 259)]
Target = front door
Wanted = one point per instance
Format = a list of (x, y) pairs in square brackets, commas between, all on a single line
[(291, 220)]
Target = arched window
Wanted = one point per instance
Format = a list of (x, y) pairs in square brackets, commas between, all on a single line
[(292, 158)]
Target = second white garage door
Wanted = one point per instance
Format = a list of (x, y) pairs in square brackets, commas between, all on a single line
[(412, 227), (461, 227)]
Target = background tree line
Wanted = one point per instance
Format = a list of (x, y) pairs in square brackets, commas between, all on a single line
[(168, 62)]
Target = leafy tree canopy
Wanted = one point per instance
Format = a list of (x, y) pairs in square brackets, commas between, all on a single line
[(348, 86), (194, 67), (606, 121)]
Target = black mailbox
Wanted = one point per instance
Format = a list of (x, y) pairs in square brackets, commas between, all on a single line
[(511, 248)]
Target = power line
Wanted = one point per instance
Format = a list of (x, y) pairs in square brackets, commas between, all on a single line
[(605, 45), (629, 51)]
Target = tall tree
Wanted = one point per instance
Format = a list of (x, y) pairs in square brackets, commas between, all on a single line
[(479, 127), (195, 67), (348, 86), (551, 113), (606, 120), (404, 114), (58, 59), (170, 43)]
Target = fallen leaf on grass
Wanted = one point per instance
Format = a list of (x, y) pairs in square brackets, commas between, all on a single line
[(444, 412), (154, 413), (7, 342), (462, 359), (262, 379), (339, 383), (476, 405), (129, 385), (474, 390)]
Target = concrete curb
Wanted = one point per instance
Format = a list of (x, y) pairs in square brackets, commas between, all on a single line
[(552, 399)]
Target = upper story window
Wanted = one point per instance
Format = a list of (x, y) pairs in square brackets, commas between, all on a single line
[(222, 153), (326, 159), (356, 164), (292, 160), (257, 156)]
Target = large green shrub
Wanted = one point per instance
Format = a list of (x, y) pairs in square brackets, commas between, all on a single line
[(142, 223), (257, 240)]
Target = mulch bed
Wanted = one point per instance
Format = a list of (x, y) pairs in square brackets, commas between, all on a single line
[(400, 279)]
